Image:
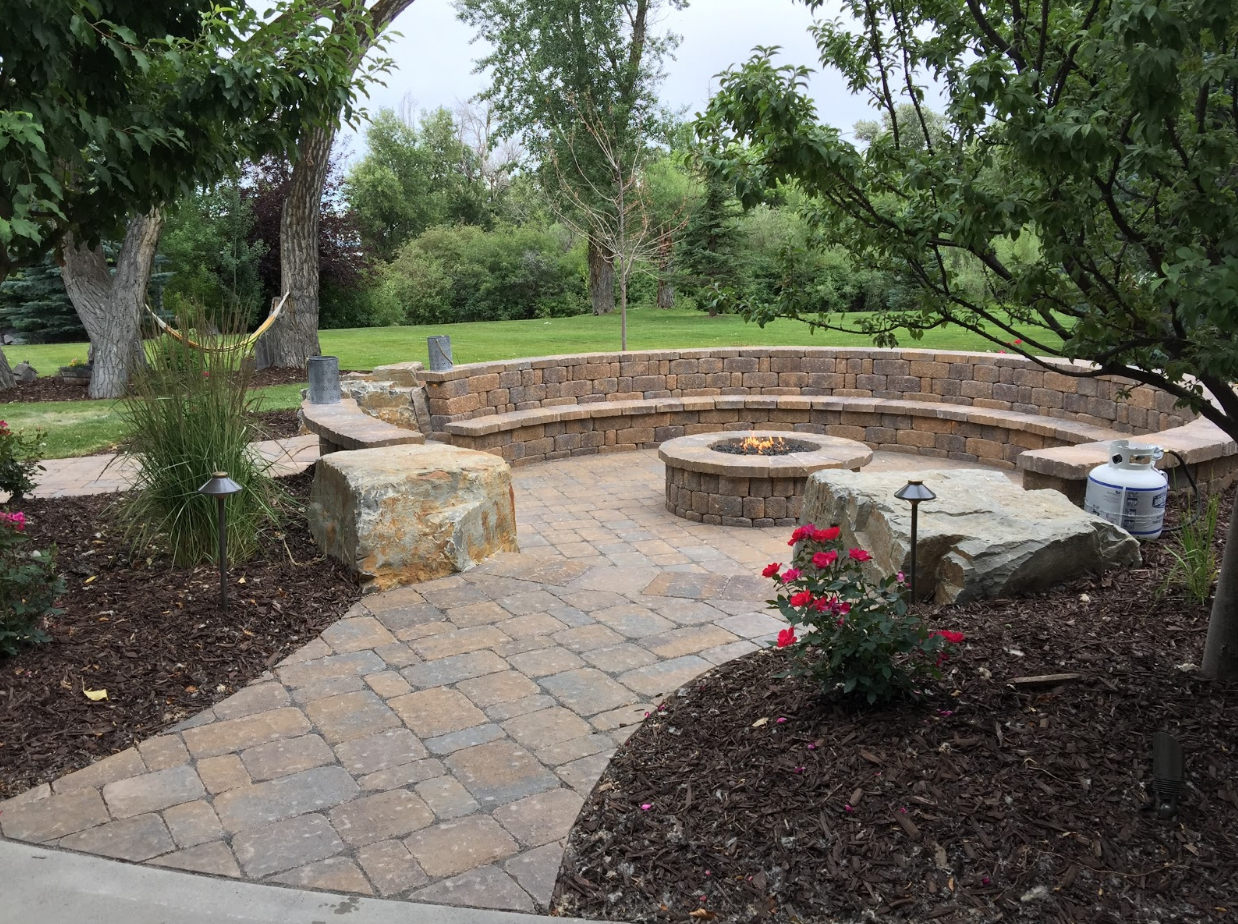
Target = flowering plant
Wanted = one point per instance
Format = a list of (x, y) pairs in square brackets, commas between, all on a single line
[(28, 586), (19, 455), (847, 632)]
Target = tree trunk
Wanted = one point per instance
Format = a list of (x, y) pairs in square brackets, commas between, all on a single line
[(601, 278), (111, 306), (623, 308), (1221, 649), (7, 379), (666, 287), (293, 339)]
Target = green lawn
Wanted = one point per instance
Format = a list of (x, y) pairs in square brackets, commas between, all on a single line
[(77, 428), (82, 428), (648, 329)]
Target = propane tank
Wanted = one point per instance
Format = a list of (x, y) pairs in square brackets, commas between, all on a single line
[(1128, 490)]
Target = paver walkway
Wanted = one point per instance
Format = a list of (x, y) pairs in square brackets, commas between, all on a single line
[(436, 744), (104, 474)]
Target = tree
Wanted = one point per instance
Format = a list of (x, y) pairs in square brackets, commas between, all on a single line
[(110, 108), (293, 339), (211, 254), (34, 303), (341, 258), (1107, 129), (416, 177), (709, 260), (605, 193), (554, 60)]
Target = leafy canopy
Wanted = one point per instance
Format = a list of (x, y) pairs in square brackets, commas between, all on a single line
[(1107, 129), (111, 106), (556, 62)]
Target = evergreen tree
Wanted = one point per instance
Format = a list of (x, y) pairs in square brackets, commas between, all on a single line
[(709, 260), (34, 303)]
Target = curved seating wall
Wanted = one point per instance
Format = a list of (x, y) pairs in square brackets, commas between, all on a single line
[(974, 407)]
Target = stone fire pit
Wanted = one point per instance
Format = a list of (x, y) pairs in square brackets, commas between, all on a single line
[(709, 481)]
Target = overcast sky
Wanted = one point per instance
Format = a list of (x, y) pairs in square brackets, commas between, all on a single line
[(434, 59)]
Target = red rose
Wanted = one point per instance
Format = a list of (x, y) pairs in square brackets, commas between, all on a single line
[(803, 598), (791, 574), (826, 535), (950, 636), (844, 609), (824, 559), (771, 570), (786, 637), (859, 555), (800, 534)]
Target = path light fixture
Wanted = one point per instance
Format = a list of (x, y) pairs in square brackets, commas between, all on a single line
[(914, 492), (1168, 774), (221, 487)]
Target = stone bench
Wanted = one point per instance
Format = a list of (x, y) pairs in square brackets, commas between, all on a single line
[(950, 431), (1203, 445), (344, 426)]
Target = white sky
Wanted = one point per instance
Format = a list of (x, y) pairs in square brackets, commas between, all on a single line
[(434, 59)]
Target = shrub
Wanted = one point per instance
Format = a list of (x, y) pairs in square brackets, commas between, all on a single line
[(467, 274), (29, 586), (19, 460), (189, 415), (1195, 564), (858, 637)]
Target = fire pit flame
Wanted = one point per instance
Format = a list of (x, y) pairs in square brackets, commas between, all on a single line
[(761, 446)]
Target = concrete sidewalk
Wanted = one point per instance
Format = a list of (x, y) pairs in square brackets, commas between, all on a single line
[(40, 885)]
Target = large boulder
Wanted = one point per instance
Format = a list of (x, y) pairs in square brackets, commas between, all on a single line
[(982, 537), (403, 514)]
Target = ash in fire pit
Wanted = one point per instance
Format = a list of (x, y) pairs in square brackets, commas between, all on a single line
[(762, 446)]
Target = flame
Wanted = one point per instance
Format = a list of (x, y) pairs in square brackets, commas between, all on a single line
[(756, 445)]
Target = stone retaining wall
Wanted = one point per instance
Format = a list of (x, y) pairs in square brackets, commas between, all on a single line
[(993, 439), (983, 380)]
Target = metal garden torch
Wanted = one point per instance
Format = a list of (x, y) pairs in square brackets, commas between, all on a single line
[(220, 487), (914, 492)]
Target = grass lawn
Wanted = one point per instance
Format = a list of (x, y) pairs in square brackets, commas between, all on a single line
[(648, 329), (83, 428), (76, 428)]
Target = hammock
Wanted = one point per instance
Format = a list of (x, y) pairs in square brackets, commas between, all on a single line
[(246, 344)]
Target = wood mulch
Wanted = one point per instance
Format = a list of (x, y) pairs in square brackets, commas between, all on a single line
[(277, 425), (150, 634), (45, 388), (993, 801), (54, 388)]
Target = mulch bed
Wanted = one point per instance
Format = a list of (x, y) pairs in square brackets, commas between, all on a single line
[(45, 388), (990, 802), (54, 388), (151, 635), (278, 425)]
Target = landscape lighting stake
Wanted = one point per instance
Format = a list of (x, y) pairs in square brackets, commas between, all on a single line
[(1168, 774), (914, 492), (220, 487)]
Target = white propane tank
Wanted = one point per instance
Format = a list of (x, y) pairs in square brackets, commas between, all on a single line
[(1128, 490)]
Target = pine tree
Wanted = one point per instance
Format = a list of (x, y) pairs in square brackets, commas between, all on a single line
[(709, 260), (34, 303)]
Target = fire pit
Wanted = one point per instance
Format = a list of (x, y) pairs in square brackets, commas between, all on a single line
[(750, 479)]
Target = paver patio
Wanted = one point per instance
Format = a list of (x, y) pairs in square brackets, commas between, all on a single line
[(104, 474), (437, 743)]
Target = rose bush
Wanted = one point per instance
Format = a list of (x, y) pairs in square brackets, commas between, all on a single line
[(848, 633), (29, 586), (19, 460)]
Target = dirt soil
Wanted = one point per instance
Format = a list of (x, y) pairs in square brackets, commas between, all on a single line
[(151, 635), (751, 797)]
